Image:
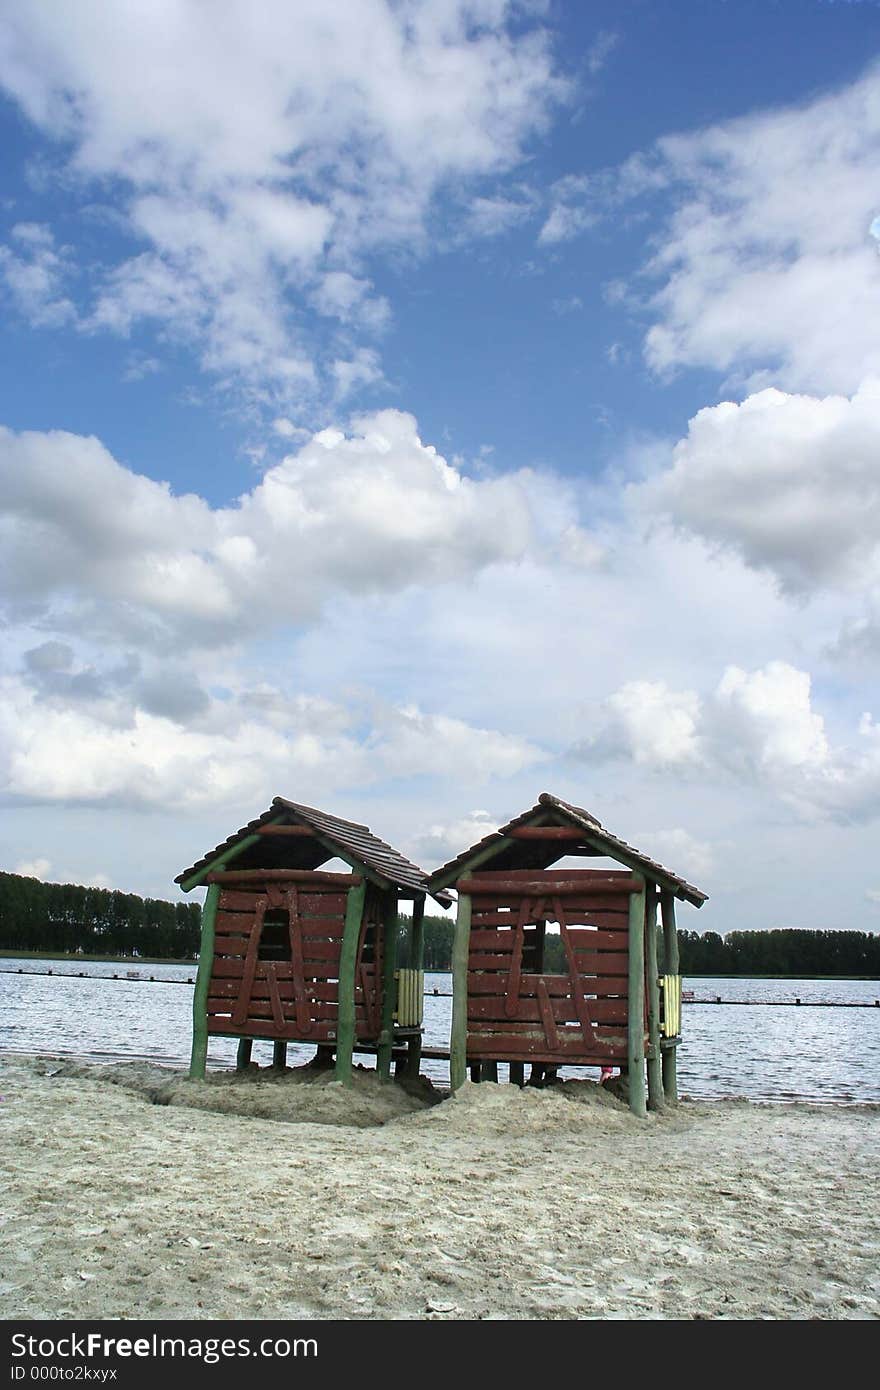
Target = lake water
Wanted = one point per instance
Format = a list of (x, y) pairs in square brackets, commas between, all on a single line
[(782, 1053)]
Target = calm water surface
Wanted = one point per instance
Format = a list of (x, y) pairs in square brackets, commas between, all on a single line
[(784, 1053)]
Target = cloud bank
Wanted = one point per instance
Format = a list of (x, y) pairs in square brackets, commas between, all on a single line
[(368, 512), (260, 159)]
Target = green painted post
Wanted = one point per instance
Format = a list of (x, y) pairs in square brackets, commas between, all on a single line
[(417, 951), (243, 1059), (203, 979), (655, 1066), (417, 961), (636, 1004), (670, 950), (354, 911), (460, 951), (389, 1001)]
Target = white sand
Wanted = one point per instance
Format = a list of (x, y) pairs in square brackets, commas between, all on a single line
[(498, 1203)]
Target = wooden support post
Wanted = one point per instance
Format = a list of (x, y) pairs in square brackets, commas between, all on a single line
[(636, 1004), (417, 961), (475, 1071), (655, 1066), (670, 951), (243, 1059), (389, 1001), (279, 1054), (460, 952), (517, 1074), (417, 943), (199, 1055), (354, 911), (489, 1071)]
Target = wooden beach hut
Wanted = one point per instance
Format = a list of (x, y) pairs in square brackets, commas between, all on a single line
[(609, 1006), (292, 952)]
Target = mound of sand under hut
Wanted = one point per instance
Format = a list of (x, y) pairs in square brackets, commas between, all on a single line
[(133, 1192)]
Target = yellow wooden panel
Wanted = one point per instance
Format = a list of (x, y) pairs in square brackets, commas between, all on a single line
[(410, 992), (671, 1005)]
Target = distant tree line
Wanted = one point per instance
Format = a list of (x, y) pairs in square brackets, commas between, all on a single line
[(438, 942), (787, 951), (36, 916)]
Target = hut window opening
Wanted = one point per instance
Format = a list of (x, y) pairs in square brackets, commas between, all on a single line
[(275, 936), (533, 950), (368, 950), (553, 958)]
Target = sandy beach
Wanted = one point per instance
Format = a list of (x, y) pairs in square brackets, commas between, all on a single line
[(130, 1192)]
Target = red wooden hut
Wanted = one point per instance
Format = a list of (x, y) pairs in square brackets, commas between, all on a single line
[(292, 952), (609, 1006)]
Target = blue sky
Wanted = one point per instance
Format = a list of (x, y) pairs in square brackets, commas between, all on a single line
[(410, 408)]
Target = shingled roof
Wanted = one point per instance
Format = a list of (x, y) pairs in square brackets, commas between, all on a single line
[(541, 855), (333, 837)]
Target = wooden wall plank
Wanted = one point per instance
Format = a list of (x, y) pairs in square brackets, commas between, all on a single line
[(550, 877), (490, 1009), (262, 1008), (506, 1048), (318, 990), (242, 877), (493, 983), (310, 904), (266, 1028), (538, 883), (612, 913)]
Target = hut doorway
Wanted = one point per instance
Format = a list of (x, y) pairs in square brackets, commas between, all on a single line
[(275, 936)]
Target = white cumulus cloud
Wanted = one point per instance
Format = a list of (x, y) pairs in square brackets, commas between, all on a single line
[(756, 728), (654, 725), (790, 482), (768, 263), (372, 511), (260, 152), (237, 752)]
